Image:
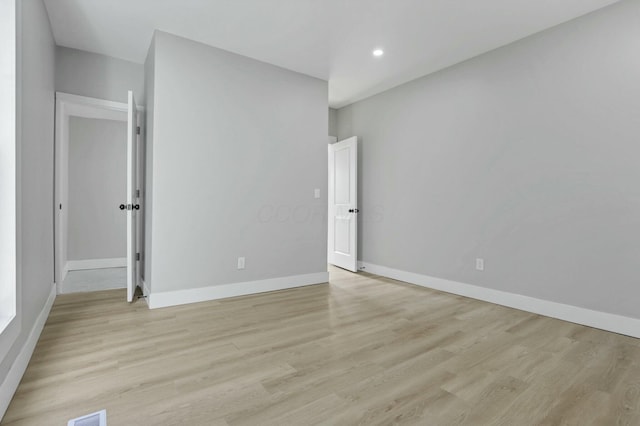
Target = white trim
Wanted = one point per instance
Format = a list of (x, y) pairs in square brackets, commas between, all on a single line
[(94, 102), (597, 319), (12, 380), (80, 265), (203, 294)]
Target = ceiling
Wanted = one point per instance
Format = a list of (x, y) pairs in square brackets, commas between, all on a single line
[(328, 39)]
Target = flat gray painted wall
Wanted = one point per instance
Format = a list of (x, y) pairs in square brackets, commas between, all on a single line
[(147, 191), (97, 76), (333, 122), (527, 156), (36, 113), (238, 148), (97, 185)]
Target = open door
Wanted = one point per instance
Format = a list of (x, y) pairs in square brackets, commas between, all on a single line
[(132, 197), (343, 204)]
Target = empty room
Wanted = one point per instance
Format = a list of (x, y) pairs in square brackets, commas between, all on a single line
[(301, 212)]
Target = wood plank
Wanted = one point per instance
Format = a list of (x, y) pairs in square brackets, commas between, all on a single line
[(361, 350)]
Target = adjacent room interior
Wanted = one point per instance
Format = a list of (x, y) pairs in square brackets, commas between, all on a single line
[(304, 212)]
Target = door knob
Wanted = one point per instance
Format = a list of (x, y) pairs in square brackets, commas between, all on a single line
[(129, 207), (354, 210)]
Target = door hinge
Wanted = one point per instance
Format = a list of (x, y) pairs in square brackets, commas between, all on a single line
[(138, 130), (137, 256), (137, 193)]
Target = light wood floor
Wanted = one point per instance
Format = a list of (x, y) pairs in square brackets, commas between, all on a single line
[(361, 350)]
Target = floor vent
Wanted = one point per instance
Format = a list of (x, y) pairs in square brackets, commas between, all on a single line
[(94, 419)]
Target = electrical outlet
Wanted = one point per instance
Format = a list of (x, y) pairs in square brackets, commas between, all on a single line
[(316, 193), (480, 264), (241, 263)]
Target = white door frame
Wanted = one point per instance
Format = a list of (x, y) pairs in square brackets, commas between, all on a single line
[(68, 105)]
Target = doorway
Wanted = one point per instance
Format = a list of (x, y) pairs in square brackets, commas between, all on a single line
[(92, 167), (343, 208)]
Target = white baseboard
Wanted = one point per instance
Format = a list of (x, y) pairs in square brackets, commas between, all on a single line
[(80, 265), (597, 319), (19, 366), (203, 294)]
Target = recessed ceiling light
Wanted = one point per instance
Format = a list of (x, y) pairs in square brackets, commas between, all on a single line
[(378, 52)]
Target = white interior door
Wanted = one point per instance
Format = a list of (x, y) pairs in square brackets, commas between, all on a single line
[(343, 204), (132, 197)]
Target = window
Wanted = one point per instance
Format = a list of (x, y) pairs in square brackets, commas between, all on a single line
[(8, 88)]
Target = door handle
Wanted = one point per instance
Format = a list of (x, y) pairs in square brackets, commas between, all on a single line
[(129, 207), (354, 210)]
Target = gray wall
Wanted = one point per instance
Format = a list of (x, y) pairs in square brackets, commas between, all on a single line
[(333, 122), (147, 191), (97, 76), (35, 175), (238, 148), (97, 185), (528, 157)]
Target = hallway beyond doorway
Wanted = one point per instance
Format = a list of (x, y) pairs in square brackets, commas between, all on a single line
[(94, 280)]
